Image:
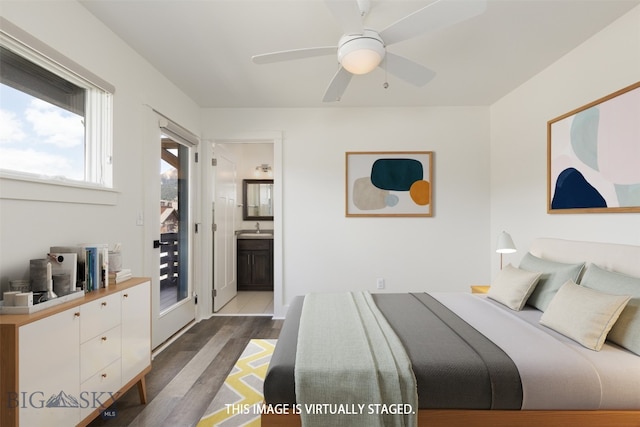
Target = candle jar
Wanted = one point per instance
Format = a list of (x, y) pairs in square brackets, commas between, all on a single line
[(20, 285), (61, 284)]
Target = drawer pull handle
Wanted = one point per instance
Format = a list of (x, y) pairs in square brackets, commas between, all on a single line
[(76, 314), (104, 375), (126, 295), (103, 338), (104, 303)]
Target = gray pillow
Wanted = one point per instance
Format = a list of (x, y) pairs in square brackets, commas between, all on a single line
[(554, 275), (626, 331)]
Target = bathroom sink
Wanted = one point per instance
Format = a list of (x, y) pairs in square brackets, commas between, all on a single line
[(252, 234)]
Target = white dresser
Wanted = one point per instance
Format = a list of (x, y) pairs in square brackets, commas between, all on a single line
[(64, 365)]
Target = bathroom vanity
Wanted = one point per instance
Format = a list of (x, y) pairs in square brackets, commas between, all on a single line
[(255, 247), (255, 261)]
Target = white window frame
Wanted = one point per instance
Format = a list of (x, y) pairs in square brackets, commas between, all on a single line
[(98, 129)]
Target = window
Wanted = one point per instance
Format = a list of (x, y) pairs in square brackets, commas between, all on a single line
[(55, 123)]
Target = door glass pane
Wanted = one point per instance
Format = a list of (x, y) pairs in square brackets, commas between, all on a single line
[(174, 236)]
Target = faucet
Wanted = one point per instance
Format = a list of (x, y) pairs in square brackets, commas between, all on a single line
[(257, 228)]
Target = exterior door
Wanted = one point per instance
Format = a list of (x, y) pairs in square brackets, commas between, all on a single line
[(224, 242), (172, 302)]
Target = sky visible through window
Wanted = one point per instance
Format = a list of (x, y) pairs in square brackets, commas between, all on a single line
[(38, 137)]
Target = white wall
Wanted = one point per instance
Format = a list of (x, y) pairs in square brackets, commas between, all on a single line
[(324, 250), (29, 228), (490, 168), (607, 62), (248, 156)]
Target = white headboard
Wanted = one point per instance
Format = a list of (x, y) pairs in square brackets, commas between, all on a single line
[(610, 256)]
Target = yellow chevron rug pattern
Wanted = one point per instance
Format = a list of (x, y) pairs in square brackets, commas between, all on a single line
[(233, 406)]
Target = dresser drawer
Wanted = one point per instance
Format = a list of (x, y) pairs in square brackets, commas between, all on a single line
[(99, 352), (99, 390), (99, 316)]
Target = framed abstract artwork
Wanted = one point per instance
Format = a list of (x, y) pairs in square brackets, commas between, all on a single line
[(389, 183), (593, 156)]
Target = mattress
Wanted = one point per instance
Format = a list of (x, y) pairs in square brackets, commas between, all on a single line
[(554, 372)]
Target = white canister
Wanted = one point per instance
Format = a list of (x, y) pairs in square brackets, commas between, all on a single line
[(23, 299), (10, 298), (115, 261)]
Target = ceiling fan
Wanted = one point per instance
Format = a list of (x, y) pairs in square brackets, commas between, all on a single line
[(360, 50)]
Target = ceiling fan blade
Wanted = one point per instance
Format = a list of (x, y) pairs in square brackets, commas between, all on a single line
[(337, 86), (288, 55), (407, 70), (431, 18), (348, 15)]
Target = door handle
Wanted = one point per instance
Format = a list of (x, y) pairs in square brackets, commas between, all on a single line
[(158, 243)]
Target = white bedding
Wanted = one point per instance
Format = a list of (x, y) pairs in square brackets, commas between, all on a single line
[(556, 372)]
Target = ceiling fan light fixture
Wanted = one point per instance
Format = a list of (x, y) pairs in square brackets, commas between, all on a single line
[(361, 61), (361, 54)]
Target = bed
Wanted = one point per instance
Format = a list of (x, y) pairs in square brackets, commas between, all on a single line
[(516, 356)]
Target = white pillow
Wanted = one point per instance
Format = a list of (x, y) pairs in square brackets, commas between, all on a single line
[(626, 331), (513, 286), (582, 314)]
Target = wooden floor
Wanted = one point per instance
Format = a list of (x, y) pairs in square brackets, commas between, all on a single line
[(187, 374)]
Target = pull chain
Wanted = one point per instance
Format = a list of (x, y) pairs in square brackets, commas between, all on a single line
[(386, 76)]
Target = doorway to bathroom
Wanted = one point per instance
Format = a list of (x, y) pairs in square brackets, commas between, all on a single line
[(235, 259)]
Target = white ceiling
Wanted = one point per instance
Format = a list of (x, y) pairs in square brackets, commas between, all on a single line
[(205, 48)]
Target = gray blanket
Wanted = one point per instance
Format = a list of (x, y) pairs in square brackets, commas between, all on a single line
[(359, 376), (454, 365)]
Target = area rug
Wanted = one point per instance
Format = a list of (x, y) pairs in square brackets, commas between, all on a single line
[(233, 406)]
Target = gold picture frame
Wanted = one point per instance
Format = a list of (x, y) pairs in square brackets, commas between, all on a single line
[(389, 184), (593, 156)]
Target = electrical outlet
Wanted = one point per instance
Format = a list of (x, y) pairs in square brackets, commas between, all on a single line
[(380, 283)]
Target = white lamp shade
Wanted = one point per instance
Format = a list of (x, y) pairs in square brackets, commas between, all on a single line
[(360, 55), (505, 244)]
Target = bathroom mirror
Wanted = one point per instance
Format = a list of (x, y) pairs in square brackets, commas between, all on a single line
[(257, 199)]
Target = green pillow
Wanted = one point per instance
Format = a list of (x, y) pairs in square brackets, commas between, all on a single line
[(554, 275)]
